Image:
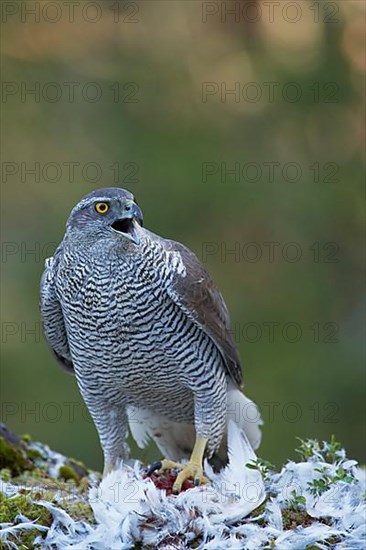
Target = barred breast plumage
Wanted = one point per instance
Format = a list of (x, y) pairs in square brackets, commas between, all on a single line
[(140, 323)]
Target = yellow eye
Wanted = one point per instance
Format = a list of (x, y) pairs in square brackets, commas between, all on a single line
[(102, 207)]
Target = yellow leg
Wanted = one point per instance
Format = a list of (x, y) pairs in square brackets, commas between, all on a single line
[(193, 468)]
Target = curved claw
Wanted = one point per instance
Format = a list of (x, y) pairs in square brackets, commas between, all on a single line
[(154, 467), (164, 465), (189, 470), (192, 470)]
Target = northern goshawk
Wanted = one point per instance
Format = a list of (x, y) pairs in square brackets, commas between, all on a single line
[(139, 321)]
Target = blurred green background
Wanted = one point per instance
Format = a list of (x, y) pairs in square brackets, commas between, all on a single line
[(151, 63)]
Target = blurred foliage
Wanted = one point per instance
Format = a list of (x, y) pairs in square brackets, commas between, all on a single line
[(163, 60)]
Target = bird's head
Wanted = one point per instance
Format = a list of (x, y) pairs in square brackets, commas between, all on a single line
[(108, 212)]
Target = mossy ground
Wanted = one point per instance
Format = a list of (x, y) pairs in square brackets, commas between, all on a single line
[(23, 504), (36, 473), (25, 466)]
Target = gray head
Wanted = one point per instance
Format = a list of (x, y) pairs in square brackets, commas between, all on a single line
[(104, 213)]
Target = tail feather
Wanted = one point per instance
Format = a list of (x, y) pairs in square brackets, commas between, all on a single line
[(175, 440), (245, 413)]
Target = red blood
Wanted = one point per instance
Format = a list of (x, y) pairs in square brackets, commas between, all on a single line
[(165, 480)]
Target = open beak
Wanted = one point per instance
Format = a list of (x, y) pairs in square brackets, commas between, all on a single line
[(127, 224)]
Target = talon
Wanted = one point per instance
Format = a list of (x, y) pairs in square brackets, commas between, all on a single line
[(154, 467), (163, 465), (190, 470)]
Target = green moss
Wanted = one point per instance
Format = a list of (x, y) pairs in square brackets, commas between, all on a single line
[(67, 472), (5, 474), (79, 463), (259, 511), (294, 518), (332, 541), (13, 458), (78, 466), (34, 454), (78, 510), (27, 468), (11, 507), (329, 543)]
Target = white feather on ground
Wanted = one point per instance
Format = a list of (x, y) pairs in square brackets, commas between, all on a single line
[(130, 510)]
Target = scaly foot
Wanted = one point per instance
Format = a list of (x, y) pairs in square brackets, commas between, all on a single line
[(163, 465), (190, 470)]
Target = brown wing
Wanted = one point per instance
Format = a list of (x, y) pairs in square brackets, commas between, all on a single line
[(198, 296)]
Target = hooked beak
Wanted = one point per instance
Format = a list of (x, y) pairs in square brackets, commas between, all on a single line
[(126, 225)]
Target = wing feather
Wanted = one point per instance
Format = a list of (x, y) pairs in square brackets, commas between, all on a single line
[(198, 296), (52, 317)]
